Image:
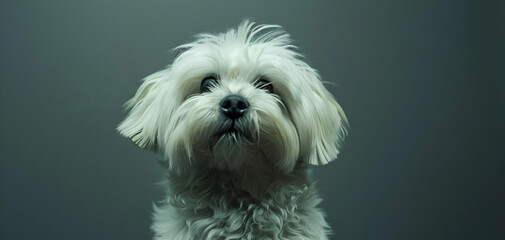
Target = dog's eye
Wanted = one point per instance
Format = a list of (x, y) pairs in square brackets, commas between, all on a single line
[(207, 83), (265, 84)]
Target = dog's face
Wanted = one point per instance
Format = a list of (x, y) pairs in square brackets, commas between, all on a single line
[(237, 99)]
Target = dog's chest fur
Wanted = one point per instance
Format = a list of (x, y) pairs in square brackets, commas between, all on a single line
[(224, 205)]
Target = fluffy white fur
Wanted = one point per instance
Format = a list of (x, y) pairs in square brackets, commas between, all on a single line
[(252, 183)]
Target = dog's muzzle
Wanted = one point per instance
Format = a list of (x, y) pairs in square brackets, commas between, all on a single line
[(234, 106)]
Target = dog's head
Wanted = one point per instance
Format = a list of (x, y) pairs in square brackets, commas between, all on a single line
[(239, 97)]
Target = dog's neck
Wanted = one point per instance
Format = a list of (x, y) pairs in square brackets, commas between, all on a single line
[(249, 181)]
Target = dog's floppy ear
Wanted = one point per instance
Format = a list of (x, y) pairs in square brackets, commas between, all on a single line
[(320, 121), (141, 124)]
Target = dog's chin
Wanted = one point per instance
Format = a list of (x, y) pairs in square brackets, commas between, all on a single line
[(231, 146), (231, 132)]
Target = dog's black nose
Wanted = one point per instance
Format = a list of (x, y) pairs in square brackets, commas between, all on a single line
[(234, 106)]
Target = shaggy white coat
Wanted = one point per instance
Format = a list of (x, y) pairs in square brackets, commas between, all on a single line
[(252, 183)]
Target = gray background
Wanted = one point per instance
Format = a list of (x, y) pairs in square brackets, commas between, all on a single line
[(421, 82)]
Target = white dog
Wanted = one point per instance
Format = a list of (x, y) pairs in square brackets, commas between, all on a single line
[(239, 117)]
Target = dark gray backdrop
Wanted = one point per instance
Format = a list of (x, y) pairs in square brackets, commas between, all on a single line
[(421, 82)]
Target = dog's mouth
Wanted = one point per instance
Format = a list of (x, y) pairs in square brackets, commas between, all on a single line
[(231, 130)]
